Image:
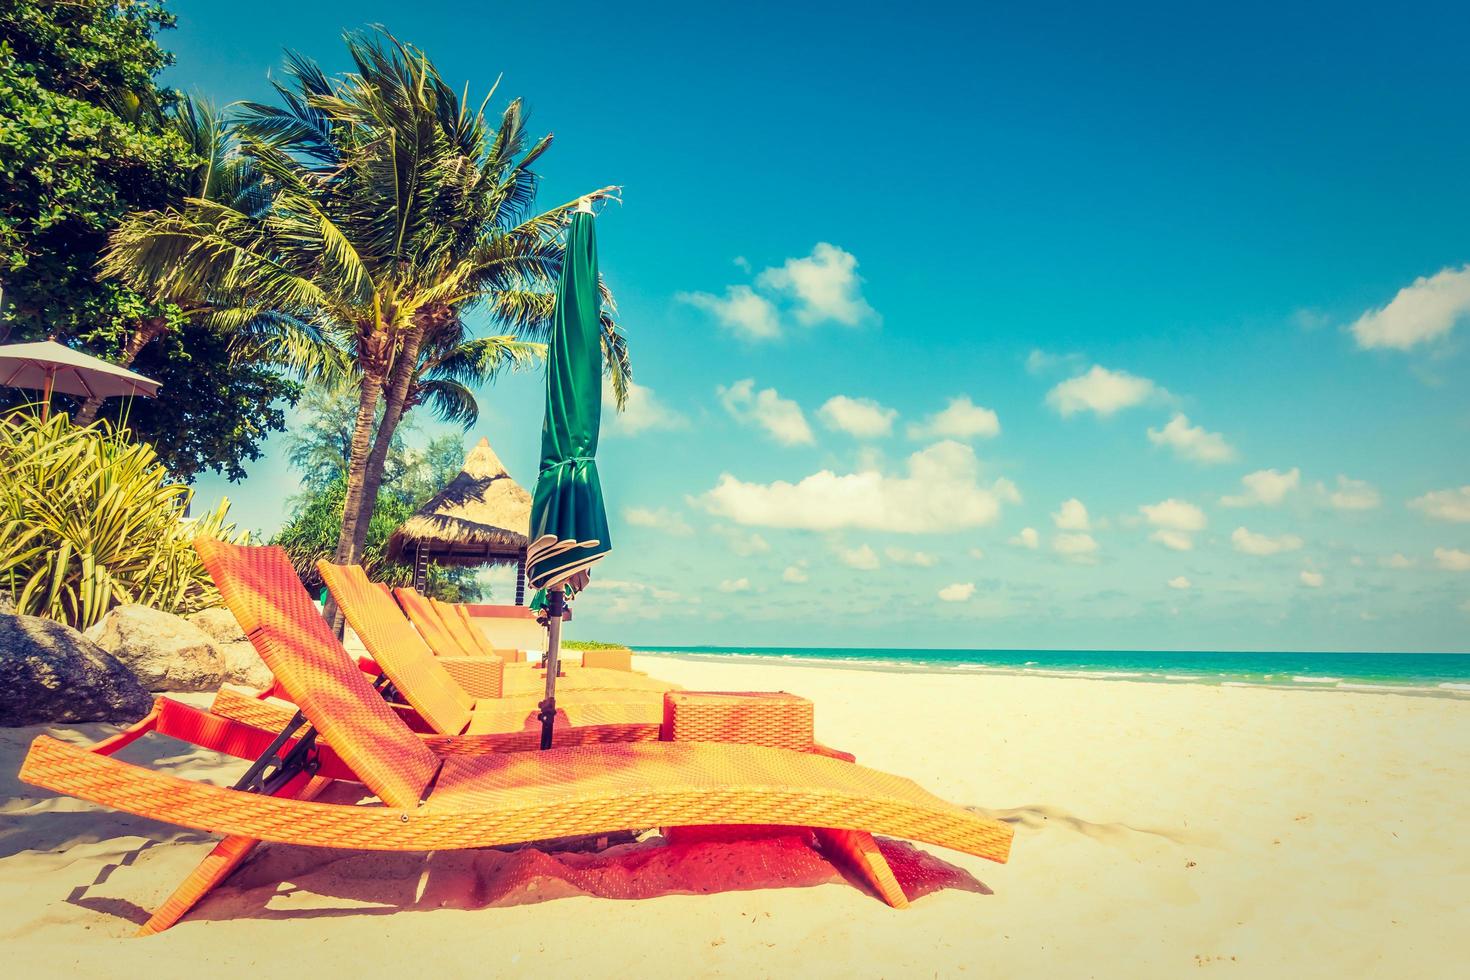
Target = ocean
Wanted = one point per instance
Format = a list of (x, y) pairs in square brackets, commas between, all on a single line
[(1423, 674)]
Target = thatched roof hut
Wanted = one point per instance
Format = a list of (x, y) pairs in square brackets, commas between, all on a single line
[(482, 517)]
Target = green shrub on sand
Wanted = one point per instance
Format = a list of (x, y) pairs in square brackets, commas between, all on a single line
[(90, 519)]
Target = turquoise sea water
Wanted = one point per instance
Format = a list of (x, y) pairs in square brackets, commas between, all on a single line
[(1425, 674)]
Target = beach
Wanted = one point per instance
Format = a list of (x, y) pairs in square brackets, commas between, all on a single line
[(1161, 829)]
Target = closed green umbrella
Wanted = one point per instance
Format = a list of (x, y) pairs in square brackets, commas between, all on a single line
[(568, 522)]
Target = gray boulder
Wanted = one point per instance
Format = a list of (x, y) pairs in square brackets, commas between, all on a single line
[(51, 674), (244, 666), (166, 652), (220, 624)]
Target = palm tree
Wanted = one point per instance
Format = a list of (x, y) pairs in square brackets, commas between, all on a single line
[(394, 210)]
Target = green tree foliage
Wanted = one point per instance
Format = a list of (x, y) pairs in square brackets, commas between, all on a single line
[(90, 519), (87, 137), (395, 208), (317, 446)]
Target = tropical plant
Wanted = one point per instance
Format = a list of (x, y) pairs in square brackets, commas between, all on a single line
[(90, 519), (395, 209), (311, 535), (87, 136)]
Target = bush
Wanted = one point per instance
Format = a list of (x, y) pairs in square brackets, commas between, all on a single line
[(90, 520)]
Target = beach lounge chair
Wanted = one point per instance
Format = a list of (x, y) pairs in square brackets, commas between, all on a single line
[(426, 682), (434, 628), (429, 802), (458, 621)]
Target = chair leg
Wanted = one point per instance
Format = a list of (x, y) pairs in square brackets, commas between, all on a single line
[(859, 852), (219, 863)]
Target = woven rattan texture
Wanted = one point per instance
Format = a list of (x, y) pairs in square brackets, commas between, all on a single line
[(480, 677), (262, 590), (398, 649), (490, 800), (608, 659), (776, 719), (469, 637), (431, 626)]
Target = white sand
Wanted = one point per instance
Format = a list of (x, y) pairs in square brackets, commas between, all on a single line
[(1162, 830)]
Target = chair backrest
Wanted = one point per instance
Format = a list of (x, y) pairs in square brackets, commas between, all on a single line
[(397, 647), (261, 588), (469, 637), (431, 626)]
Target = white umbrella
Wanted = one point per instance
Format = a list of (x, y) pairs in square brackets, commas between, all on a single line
[(48, 367)]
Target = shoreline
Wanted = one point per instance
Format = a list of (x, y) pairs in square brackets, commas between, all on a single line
[(1452, 690), (1160, 828)]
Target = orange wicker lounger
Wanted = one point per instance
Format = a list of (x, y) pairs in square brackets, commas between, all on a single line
[(453, 641), (457, 621), (427, 684), (430, 802), (435, 630)]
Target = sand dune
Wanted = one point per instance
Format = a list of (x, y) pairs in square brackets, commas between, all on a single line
[(1161, 829)]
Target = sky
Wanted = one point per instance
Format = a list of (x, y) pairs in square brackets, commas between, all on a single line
[(1137, 327)]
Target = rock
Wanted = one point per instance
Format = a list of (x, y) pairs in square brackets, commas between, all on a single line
[(220, 624), (7, 605), (166, 652), (50, 673), (244, 666)]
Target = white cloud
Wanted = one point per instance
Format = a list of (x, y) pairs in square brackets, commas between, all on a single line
[(660, 519), (1175, 522), (735, 585), (1173, 540), (862, 557), (643, 412), (1026, 538), (741, 310), (1175, 515), (1265, 488), (941, 491), (859, 417), (795, 574), (1180, 582), (825, 286), (1075, 547), (1192, 441), (620, 599), (782, 418), (1452, 559), (960, 419), (904, 556), (1101, 391), (976, 553), (958, 592), (1398, 560), (742, 543), (1445, 505), (1312, 580), (1424, 310), (1040, 361), (1252, 543), (1353, 494), (1072, 516)]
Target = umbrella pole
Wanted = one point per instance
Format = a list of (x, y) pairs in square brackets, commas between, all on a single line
[(46, 398), (556, 603)]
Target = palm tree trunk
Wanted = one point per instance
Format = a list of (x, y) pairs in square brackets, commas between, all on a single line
[(395, 402), (140, 338), (348, 551)]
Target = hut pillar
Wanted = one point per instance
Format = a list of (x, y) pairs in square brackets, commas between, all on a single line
[(521, 579)]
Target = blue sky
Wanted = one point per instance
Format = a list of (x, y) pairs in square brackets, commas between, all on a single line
[(902, 284)]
